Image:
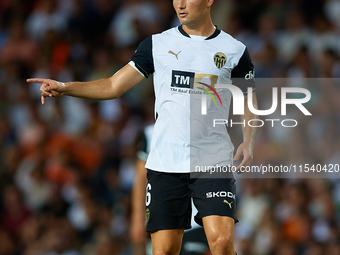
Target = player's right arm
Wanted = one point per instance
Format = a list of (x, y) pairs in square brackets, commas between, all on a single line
[(102, 89)]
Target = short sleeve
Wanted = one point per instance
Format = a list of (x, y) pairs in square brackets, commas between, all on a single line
[(142, 58), (243, 74)]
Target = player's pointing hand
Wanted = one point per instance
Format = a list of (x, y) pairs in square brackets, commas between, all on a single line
[(49, 88)]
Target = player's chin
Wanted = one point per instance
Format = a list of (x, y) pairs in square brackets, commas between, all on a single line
[(184, 21)]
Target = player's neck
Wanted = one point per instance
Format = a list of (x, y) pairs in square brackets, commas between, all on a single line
[(206, 28)]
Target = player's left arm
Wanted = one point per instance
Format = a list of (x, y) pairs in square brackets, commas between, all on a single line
[(247, 147)]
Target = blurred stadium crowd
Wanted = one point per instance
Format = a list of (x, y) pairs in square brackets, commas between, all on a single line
[(67, 168)]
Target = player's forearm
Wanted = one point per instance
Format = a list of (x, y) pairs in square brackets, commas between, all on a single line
[(249, 131), (100, 89), (109, 88)]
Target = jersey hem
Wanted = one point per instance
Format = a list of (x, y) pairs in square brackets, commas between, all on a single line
[(168, 171)]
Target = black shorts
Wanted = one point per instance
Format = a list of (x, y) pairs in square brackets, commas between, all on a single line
[(168, 199)]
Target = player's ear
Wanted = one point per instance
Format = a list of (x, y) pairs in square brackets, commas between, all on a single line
[(210, 2)]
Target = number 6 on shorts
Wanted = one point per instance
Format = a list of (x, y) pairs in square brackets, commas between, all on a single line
[(148, 194)]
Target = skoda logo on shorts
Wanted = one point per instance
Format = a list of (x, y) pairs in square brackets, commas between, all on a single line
[(147, 214), (220, 194), (220, 59)]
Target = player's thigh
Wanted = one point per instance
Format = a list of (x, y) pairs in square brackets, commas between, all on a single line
[(168, 201), (167, 241)]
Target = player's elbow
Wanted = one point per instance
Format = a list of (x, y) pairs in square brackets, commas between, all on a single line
[(114, 91)]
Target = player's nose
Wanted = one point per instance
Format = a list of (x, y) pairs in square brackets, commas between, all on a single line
[(180, 4)]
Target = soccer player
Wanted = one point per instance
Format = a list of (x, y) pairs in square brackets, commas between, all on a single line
[(182, 59)]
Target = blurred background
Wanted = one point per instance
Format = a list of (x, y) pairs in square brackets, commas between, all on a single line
[(67, 168)]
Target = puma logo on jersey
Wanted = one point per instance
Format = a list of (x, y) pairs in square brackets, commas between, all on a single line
[(173, 53), (225, 201)]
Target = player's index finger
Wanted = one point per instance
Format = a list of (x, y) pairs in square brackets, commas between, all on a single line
[(37, 80)]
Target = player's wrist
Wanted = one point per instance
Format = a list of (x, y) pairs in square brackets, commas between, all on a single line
[(249, 142), (64, 88)]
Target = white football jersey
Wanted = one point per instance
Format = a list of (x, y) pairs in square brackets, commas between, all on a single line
[(184, 68)]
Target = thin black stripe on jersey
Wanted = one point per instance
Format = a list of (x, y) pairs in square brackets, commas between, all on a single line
[(181, 64)]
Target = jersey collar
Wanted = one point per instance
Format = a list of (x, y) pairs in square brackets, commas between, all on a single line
[(215, 34)]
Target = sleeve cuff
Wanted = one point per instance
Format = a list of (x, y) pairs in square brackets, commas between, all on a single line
[(133, 64), (246, 92)]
